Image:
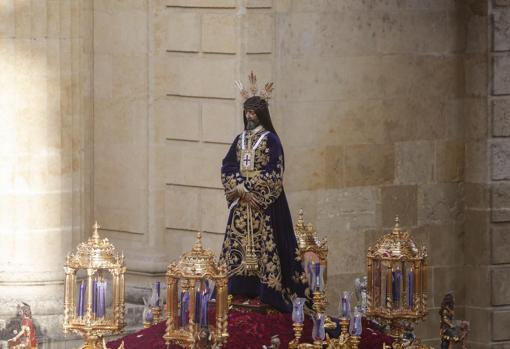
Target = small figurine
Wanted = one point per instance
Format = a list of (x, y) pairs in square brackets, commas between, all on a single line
[(275, 343), (360, 285), (26, 338), (452, 331), (408, 336)]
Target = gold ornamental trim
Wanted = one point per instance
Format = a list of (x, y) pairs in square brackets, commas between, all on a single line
[(197, 264), (397, 245), (308, 239), (95, 253)]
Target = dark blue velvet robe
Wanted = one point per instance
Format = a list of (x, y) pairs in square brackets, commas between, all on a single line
[(280, 276)]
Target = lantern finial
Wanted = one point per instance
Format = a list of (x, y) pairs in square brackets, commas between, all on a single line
[(198, 243), (396, 229), (95, 233), (300, 220)]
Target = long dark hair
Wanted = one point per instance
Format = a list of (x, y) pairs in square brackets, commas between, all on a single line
[(259, 105)]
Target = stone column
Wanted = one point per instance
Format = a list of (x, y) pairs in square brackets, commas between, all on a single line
[(44, 115), (499, 169), (487, 187)]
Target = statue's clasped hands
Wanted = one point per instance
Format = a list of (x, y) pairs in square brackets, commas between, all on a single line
[(244, 196)]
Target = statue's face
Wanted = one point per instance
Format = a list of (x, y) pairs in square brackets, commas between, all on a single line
[(252, 120)]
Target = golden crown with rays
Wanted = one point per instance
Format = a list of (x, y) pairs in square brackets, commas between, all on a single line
[(265, 93)]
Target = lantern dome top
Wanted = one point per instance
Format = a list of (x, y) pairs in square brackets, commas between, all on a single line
[(95, 253), (306, 236), (197, 263), (396, 245)]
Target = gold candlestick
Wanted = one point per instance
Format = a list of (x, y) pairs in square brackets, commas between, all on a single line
[(344, 325), (156, 314), (298, 329), (319, 301), (354, 342)]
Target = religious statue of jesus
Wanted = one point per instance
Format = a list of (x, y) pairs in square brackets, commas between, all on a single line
[(260, 248)]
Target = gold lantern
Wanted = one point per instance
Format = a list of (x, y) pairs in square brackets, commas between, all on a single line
[(188, 291), (85, 304), (310, 246), (313, 250), (397, 282), (313, 253)]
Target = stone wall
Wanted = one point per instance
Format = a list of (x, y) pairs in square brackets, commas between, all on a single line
[(370, 97), (45, 114)]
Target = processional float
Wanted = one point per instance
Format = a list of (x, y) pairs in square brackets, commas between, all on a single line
[(394, 293)]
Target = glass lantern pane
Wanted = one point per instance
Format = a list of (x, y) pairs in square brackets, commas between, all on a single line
[(355, 325), (376, 277), (308, 259), (298, 314), (384, 285), (410, 287), (184, 309), (155, 299), (318, 331), (345, 305), (80, 294), (396, 286)]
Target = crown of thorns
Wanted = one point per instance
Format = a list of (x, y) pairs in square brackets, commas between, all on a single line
[(265, 93)]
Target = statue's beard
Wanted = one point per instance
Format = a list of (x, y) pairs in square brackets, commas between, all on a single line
[(251, 124)]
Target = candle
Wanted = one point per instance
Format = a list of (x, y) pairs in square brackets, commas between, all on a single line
[(345, 306), (101, 298), (397, 280), (158, 290), (94, 297), (81, 299), (410, 289), (204, 304)]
